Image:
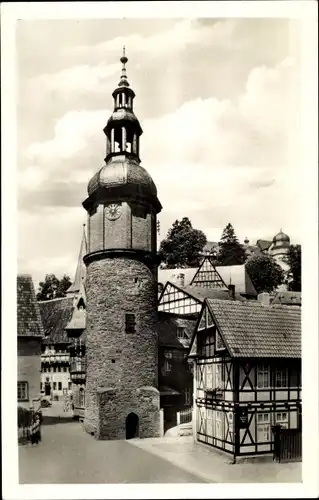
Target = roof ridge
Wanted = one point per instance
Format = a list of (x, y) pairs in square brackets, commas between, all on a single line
[(256, 304), (53, 300)]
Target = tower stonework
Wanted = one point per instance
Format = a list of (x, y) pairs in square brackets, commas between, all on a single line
[(122, 397)]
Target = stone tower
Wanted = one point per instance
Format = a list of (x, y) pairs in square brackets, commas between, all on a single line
[(122, 398)]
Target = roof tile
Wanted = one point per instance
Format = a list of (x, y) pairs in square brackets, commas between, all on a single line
[(28, 315), (251, 329)]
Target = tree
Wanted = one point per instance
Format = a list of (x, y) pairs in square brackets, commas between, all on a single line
[(294, 261), (182, 245), (265, 273), (52, 287), (231, 252)]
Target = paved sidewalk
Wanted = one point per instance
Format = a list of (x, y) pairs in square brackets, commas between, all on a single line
[(213, 466)]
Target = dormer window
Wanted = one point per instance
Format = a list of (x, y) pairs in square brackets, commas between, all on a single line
[(181, 333)]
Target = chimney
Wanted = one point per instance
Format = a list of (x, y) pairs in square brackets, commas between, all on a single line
[(231, 289), (264, 299), (180, 279)]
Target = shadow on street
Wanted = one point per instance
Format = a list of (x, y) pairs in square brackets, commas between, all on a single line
[(52, 420)]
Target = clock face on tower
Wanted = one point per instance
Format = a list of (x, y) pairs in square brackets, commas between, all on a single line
[(113, 211)]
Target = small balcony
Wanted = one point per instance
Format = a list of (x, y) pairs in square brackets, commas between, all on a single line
[(55, 358), (78, 370), (214, 392)]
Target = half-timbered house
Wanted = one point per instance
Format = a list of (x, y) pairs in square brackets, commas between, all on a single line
[(247, 374), (182, 291)]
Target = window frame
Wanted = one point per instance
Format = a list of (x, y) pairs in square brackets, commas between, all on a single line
[(167, 365), (180, 334), (281, 421), (59, 386), (263, 428), (283, 376), (130, 323), (26, 389), (263, 369)]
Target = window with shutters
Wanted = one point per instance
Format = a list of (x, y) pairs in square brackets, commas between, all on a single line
[(130, 323)]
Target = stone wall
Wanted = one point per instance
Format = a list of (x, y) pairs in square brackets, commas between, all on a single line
[(115, 405), (126, 362), (29, 367)]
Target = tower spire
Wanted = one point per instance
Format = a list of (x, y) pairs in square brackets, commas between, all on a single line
[(123, 81), (80, 272)]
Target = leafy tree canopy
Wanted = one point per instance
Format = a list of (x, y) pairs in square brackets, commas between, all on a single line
[(231, 252), (52, 287), (182, 245), (265, 273), (293, 259)]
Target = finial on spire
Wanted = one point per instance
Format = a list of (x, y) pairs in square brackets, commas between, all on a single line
[(124, 59)]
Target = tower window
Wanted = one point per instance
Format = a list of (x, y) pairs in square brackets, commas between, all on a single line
[(130, 323)]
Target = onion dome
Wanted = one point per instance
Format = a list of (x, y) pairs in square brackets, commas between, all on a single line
[(122, 176), (119, 172), (123, 116), (281, 239)]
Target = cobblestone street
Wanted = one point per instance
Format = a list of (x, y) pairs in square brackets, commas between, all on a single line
[(67, 454)]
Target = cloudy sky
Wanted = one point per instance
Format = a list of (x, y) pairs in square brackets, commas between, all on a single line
[(219, 103)]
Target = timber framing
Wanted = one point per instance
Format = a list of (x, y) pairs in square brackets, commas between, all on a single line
[(238, 399)]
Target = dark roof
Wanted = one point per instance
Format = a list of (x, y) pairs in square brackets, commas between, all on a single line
[(28, 315), (167, 330), (201, 293), (253, 330), (56, 313), (287, 298), (80, 273), (264, 244)]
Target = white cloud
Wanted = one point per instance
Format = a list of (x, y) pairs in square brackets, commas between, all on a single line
[(83, 78), (216, 161), (72, 133), (184, 33)]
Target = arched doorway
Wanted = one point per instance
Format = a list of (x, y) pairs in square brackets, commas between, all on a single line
[(131, 426)]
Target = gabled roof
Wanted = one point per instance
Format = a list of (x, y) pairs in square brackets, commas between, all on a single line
[(28, 314), (208, 276), (167, 330), (264, 244), (250, 329), (287, 298), (231, 275), (202, 293), (172, 275), (238, 276), (80, 273), (55, 314)]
